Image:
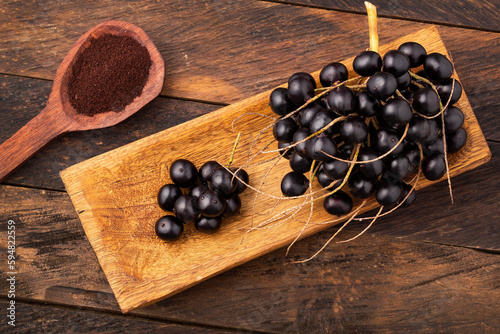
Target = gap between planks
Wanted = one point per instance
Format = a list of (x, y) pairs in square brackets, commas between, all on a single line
[(180, 98), (385, 16), (118, 314)]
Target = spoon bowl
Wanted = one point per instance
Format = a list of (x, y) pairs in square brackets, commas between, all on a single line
[(59, 116)]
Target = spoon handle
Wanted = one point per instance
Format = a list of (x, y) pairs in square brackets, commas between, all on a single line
[(47, 125)]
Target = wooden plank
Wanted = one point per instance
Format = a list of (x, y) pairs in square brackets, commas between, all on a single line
[(239, 48), (373, 284), (22, 98), (468, 14), (115, 196), (38, 318)]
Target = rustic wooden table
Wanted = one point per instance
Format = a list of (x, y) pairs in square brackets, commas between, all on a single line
[(431, 268)]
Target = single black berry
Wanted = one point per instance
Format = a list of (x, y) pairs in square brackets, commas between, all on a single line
[(298, 137), (415, 53), (169, 228), (354, 130), (284, 129), (456, 140), (294, 184), (371, 169), (410, 199), (186, 209), (321, 120), (434, 131), (338, 203), (366, 105), (183, 173), (418, 130), (208, 225), (342, 100), (299, 163), (398, 168), (388, 192), (426, 101), (233, 205), (279, 102), (396, 63), (167, 196), (222, 180), (332, 73), (206, 170), (283, 147), (300, 89), (321, 148), (444, 90), (453, 119), (367, 63), (381, 85), (361, 186), (336, 169), (403, 81), (385, 139), (397, 112), (437, 67), (211, 203), (434, 166), (243, 176), (303, 75)]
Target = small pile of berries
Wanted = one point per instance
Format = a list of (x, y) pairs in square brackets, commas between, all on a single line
[(211, 193)]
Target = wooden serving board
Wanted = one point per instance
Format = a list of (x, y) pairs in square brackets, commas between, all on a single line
[(114, 195)]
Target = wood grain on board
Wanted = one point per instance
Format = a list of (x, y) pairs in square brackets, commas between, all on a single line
[(239, 49), (349, 286), (115, 197)]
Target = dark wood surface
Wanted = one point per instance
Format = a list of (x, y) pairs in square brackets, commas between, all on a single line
[(472, 14), (433, 267)]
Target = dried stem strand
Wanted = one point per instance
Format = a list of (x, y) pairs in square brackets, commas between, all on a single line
[(366, 228), (353, 215)]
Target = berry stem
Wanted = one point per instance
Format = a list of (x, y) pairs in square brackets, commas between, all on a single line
[(372, 25), (366, 228), (416, 76), (354, 161), (312, 173), (354, 158), (234, 149), (353, 215), (322, 93), (320, 131), (445, 150)]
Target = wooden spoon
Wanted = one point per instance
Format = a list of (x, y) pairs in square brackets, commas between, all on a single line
[(59, 116)]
